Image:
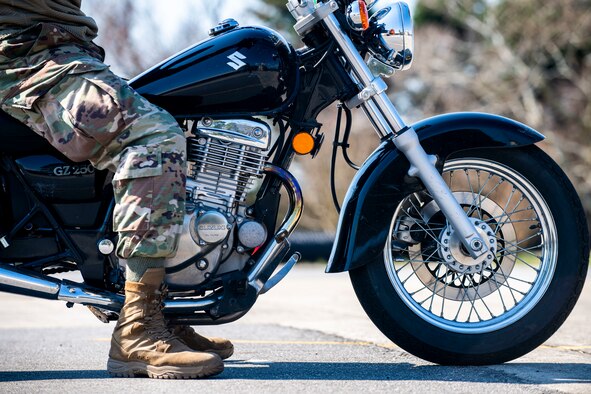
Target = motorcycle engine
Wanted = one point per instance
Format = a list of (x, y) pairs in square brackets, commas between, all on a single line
[(225, 157)]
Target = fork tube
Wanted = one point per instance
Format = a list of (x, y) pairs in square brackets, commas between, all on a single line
[(376, 118), (384, 105), (387, 122)]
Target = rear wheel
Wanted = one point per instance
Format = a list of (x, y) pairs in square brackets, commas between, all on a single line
[(431, 298)]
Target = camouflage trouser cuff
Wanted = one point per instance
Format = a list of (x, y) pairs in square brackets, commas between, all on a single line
[(137, 266)]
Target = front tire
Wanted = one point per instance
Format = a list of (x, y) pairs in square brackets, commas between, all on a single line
[(432, 300)]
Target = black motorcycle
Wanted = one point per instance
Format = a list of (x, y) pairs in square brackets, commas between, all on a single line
[(465, 243)]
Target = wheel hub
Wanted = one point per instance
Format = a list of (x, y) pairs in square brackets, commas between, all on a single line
[(455, 255)]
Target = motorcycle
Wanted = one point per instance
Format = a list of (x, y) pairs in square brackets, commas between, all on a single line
[(465, 243)]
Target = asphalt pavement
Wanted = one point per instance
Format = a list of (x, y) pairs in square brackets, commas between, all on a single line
[(308, 334)]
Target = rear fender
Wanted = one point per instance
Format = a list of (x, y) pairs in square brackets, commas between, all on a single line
[(382, 182)]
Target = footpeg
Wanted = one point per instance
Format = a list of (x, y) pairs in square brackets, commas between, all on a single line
[(103, 315), (4, 242), (282, 273)]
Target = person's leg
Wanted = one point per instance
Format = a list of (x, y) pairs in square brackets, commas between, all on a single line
[(96, 116)]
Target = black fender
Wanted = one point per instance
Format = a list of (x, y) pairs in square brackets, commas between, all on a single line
[(382, 182)]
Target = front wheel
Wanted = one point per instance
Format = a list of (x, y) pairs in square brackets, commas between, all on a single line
[(432, 299)]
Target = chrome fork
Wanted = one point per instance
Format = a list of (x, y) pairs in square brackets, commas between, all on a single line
[(388, 124)]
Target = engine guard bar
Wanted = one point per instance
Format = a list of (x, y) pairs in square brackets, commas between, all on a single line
[(269, 260)]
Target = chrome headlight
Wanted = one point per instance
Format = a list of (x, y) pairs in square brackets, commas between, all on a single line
[(394, 43)]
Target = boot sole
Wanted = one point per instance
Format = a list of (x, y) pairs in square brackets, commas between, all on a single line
[(133, 369)]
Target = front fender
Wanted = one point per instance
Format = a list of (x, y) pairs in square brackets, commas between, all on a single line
[(382, 182)]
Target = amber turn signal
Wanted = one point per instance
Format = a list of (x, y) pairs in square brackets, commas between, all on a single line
[(363, 14), (302, 143)]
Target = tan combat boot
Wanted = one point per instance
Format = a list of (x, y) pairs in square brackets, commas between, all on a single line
[(142, 344), (220, 346)]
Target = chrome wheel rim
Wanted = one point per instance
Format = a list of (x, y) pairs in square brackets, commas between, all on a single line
[(500, 292)]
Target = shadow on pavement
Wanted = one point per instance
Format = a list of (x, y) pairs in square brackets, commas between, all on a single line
[(261, 370), (552, 373), (22, 376)]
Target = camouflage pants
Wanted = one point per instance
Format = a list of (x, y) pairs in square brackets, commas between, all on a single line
[(62, 90)]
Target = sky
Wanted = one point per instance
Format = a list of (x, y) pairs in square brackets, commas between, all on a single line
[(228, 9), (170, 16)]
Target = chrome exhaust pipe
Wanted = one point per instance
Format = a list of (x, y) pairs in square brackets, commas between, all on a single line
[(15, 281)]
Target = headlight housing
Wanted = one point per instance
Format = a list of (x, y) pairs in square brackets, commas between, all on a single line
[(393, 41)]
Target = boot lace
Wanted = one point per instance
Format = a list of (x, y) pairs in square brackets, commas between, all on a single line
[(155, 324), (177, 330)]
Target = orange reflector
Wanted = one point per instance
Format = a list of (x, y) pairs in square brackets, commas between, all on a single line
[(302, 143), (363, 14)]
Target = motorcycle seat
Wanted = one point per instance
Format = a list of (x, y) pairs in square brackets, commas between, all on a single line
[(17, 138)]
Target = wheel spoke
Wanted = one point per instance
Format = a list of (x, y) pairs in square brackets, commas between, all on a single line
[(521, 241), (433, 296), (505, 283), (474, 207), (515, 221), (430, 228), (476, 288), (447, 272), (500, 293), (461, 302), (509, 199), (537, 270), (502, 223), (526, 250)]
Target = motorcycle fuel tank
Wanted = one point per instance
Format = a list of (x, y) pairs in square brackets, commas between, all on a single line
[(250, 70)]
